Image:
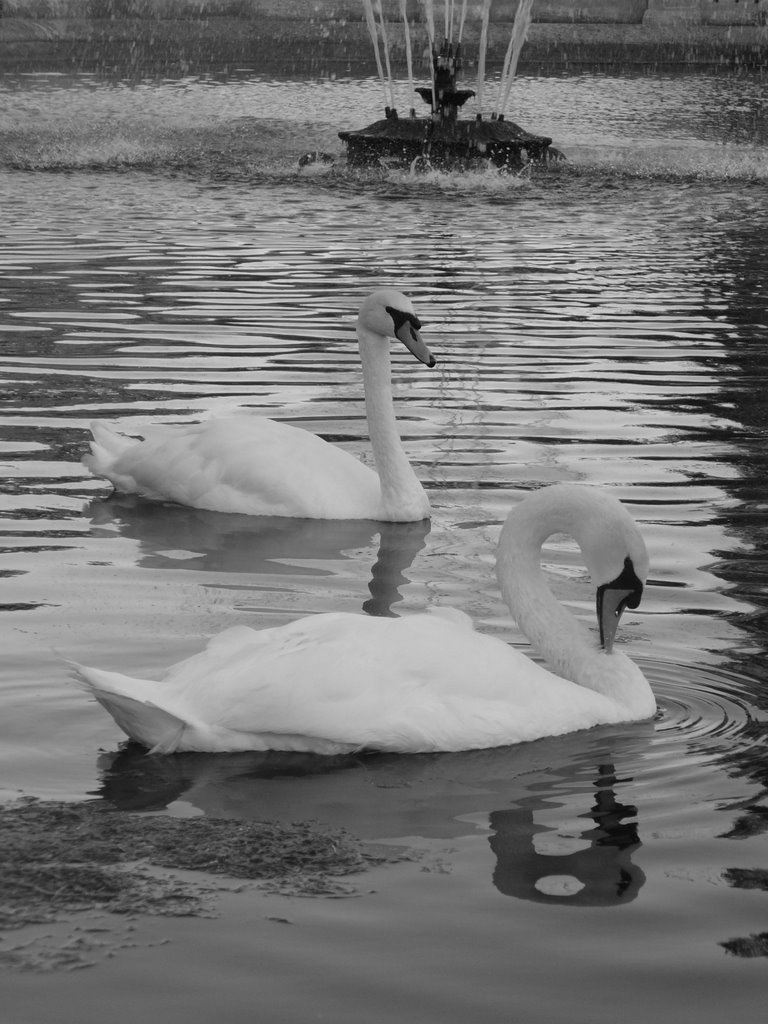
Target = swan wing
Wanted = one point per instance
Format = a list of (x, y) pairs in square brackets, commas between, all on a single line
[(338, 682), (247, 464), (346, 681)]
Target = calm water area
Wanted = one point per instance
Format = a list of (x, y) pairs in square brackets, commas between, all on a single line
[(162, 259)]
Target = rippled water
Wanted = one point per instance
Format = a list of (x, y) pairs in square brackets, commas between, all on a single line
[(163, 259)]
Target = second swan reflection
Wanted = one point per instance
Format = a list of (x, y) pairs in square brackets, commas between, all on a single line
[(338, 682), (181, 538)]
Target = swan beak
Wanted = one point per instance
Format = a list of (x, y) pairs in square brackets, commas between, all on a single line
[(414, 342), (610, 604), (612, 598)]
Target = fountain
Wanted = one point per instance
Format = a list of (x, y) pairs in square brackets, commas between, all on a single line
[(442, 139)]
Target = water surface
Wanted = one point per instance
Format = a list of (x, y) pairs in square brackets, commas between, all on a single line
[(163, 260)]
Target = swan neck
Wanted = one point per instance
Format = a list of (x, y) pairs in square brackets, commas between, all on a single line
[(402, 495), (595, 521), (568, 646)]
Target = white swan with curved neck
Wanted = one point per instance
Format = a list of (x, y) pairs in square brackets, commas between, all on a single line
[(257, 466), (339, 682)]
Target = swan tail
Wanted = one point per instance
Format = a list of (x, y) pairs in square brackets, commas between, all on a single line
[(106, 447), (139, 718)]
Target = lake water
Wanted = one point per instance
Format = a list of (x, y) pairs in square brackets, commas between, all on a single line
[(163, 259)]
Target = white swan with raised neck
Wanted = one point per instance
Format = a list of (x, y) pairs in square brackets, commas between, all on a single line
[(257, 466), (339, 682)]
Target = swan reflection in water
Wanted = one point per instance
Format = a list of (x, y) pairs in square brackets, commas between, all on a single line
[(534, 862), (175, 537), (429, 795)]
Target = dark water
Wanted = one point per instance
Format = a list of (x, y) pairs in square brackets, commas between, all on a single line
[(163, 259)]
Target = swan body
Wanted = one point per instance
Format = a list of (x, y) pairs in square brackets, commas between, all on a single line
[(257, 466), (339, 682)]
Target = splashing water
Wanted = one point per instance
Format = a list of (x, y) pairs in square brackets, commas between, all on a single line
[(520, 28)]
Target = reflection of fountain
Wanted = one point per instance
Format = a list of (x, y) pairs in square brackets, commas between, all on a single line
[(442, 140), (600, 873)]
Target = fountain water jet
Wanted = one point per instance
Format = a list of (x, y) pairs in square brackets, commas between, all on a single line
[(443, 140)]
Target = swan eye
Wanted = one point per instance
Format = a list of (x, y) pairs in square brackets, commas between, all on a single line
[(400, 317), (626, 580), (629, 578)]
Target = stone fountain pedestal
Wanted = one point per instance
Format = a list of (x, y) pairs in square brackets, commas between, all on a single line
[(443, 140), (451, 145)]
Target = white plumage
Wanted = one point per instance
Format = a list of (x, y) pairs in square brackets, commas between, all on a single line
[(257, 466), (339, 682)]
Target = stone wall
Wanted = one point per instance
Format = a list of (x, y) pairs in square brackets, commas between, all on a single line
[(604, 12), (299, 36)]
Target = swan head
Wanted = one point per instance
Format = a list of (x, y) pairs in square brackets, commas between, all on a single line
[(622, 592), (617, 559), (387, 313), (611, 543)]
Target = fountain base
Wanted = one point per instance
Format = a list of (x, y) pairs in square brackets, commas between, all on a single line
[(446, 144)]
